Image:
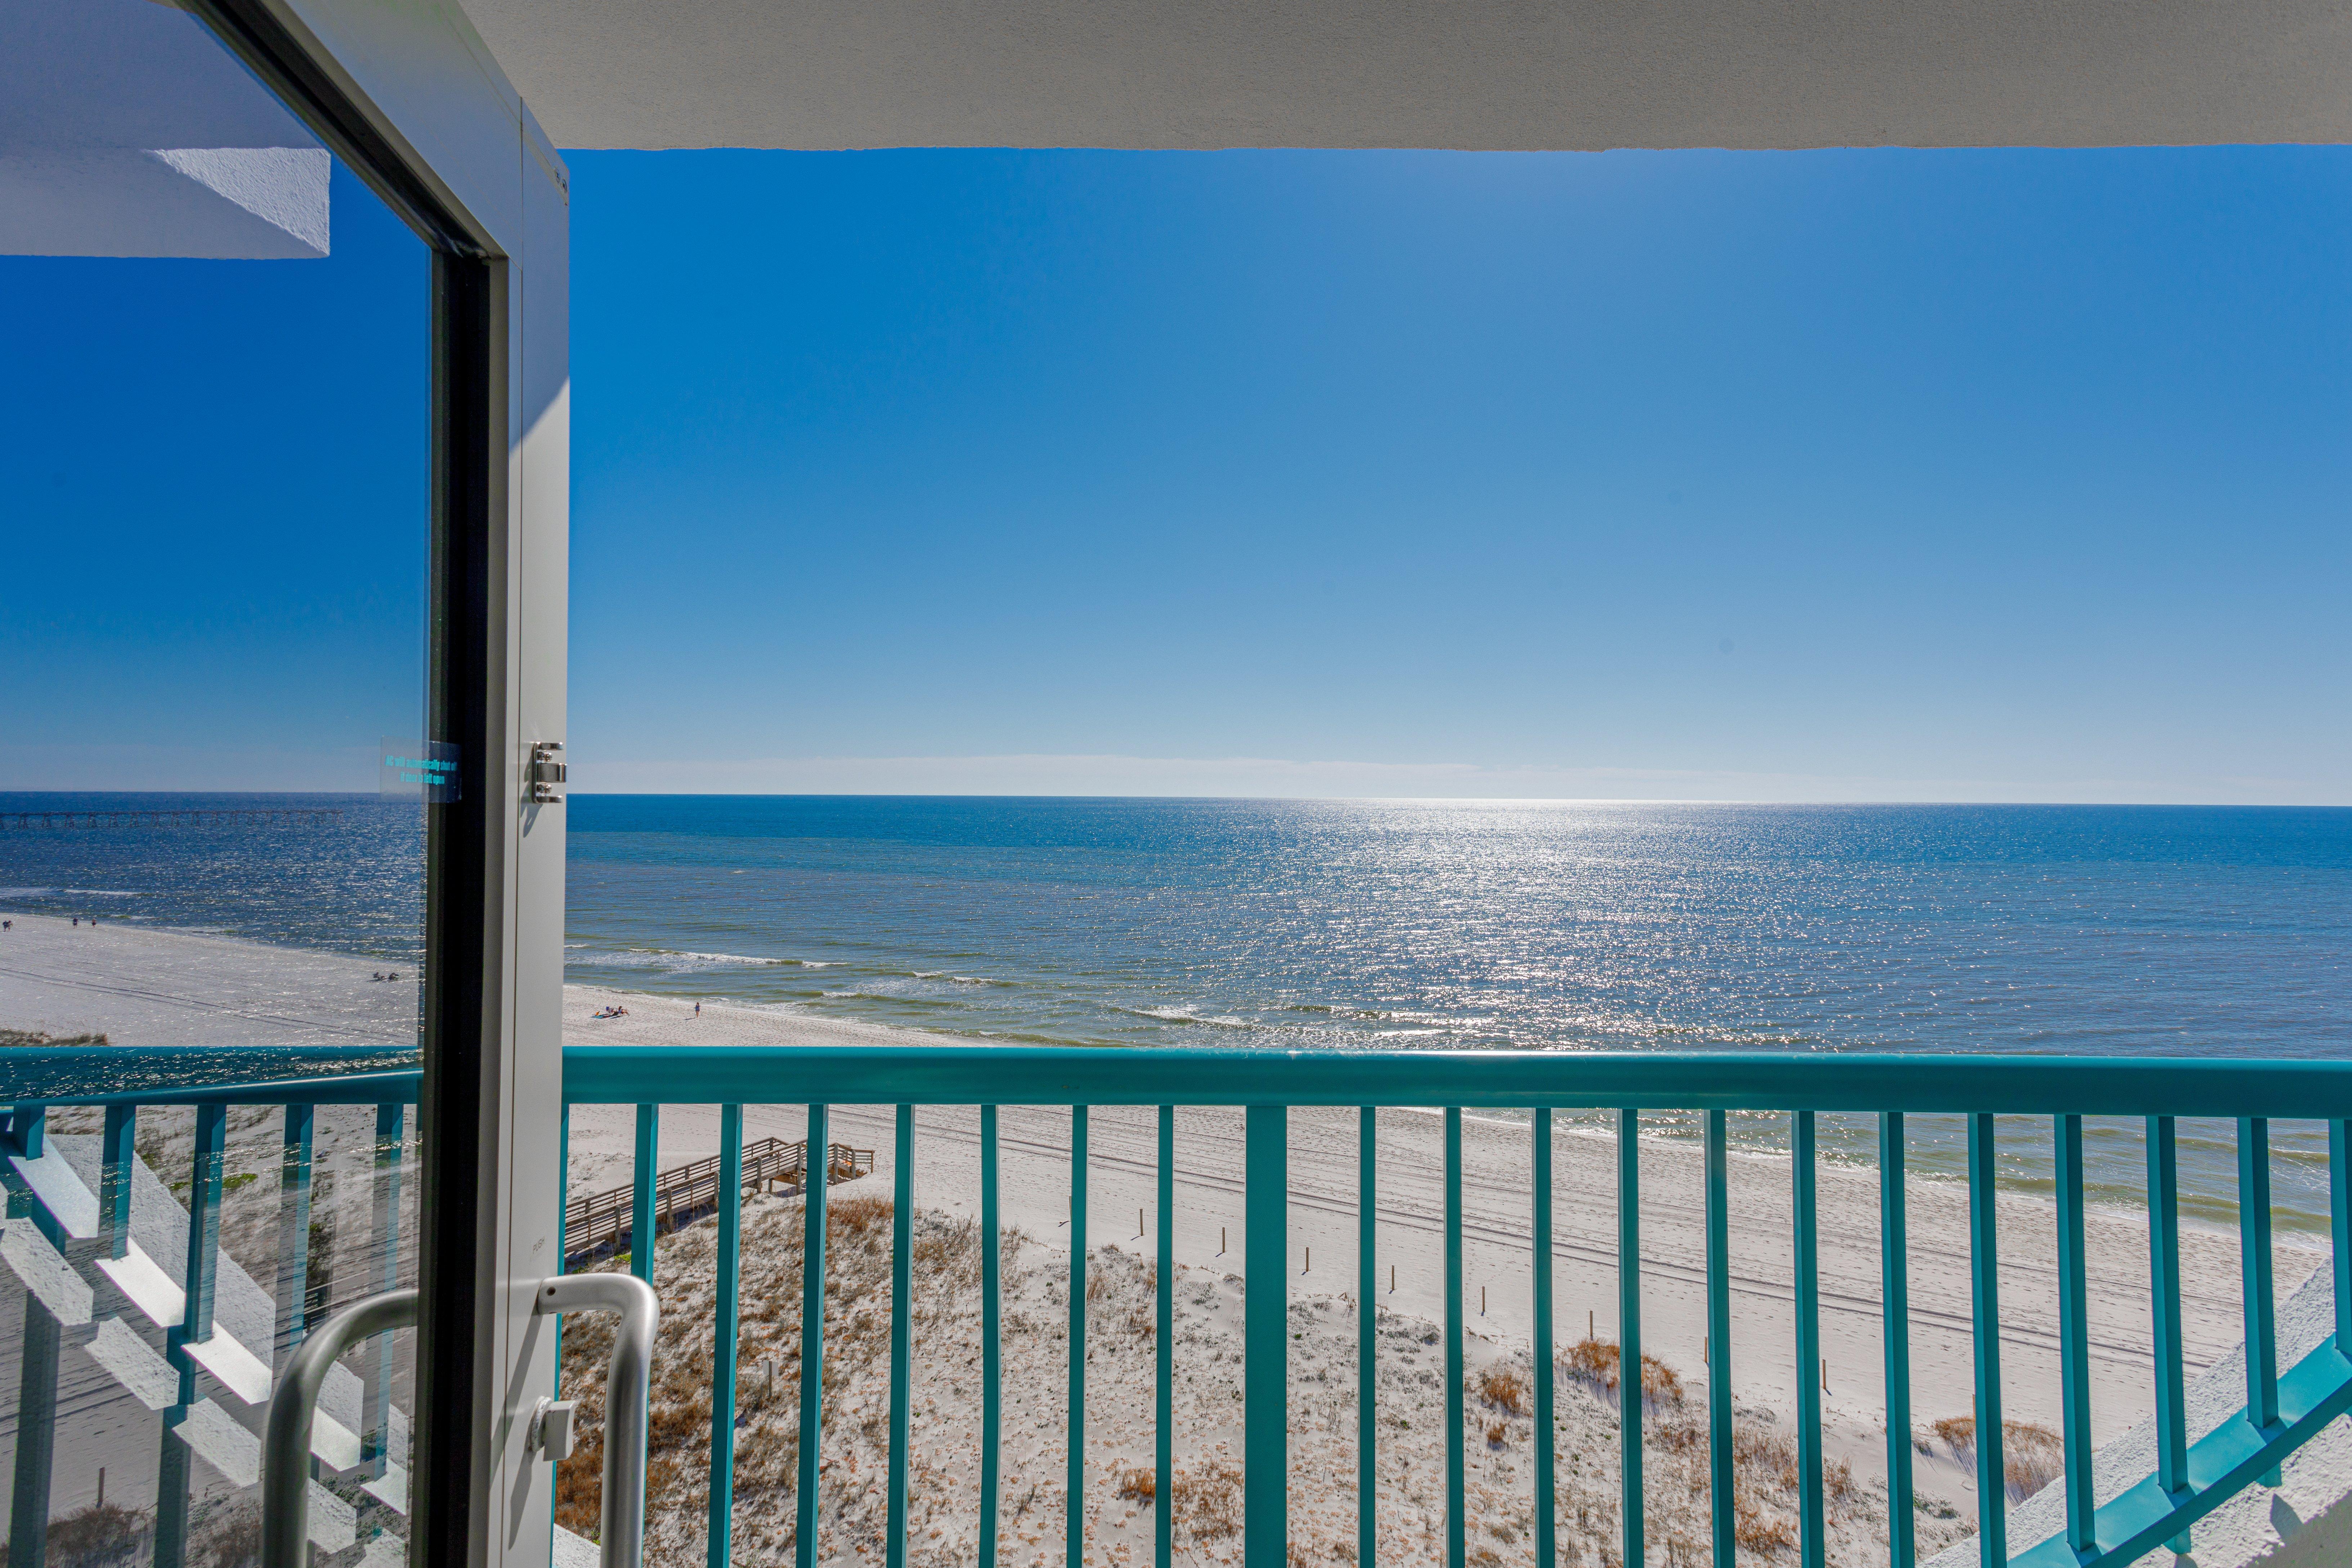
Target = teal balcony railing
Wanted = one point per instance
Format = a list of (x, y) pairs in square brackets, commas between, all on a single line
[(207, 1394), (2283, 1408), (145, 1346)]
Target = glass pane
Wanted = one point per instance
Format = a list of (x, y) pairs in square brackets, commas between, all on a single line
[(214, 623)]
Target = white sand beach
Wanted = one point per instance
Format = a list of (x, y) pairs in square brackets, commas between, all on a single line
[(141, 986)]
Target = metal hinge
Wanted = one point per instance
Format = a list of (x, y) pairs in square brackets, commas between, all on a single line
[(546, 773)]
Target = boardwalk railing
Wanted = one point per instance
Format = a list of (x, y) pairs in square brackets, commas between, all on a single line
[(2284, 1407), (688, 1192)]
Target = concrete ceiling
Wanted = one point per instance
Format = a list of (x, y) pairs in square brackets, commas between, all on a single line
[(1426, 73)]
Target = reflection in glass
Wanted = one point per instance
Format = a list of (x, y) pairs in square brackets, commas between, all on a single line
[(216, 606)]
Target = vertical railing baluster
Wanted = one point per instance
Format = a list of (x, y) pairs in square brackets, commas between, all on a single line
[(642, 1180), (202, 1273), (2339, 1228), (1895, 1297), (902, 1334), (172, 1479), (2255, 1263), (36, 1385), (727, 1300), (1721, 1487), (203, 1261), (2164, 1308), (1074, 1513), (1163, 1438), (1266, 1328), (1540, 1132), (118, 1155), (391, 1123), (2073, 1336), (36, 1422), (992, 1343), (1628, 1329), (1457, 1525), (1368, 1277), (815, 1167), (116, 1152), (195, 1326), (1984, 1268), (293, 1231), (1812, 1525), (27, 1123)]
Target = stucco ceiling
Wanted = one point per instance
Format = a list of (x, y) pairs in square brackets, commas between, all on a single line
[(125, 130), (1425, 73)]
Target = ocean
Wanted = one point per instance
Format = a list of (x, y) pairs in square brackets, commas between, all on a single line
[(2095, 930), (2108, 930), (350, 883)]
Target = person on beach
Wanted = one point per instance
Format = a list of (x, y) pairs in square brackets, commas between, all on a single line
[(697, 1007)]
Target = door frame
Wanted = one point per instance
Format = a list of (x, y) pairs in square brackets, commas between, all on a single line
[(410, 98)]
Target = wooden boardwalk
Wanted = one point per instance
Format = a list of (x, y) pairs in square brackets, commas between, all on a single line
[(602, 1221)]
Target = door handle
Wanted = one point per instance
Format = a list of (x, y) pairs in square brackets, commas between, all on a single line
[(285, 1446), (285, 1442), (628, 1386)]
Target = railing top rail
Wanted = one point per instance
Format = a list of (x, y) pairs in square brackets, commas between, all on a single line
[(957, 1073), (222, 1074)]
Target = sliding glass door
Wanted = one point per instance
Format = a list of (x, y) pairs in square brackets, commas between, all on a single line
[(215, 623)]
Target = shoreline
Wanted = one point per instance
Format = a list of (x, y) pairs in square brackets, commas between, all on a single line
[(146, 985), (151, 985)]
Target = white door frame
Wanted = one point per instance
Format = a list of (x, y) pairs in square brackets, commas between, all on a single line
[(405, 92)]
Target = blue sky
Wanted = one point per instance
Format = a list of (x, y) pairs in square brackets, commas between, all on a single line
[(2015, 475), (213, 497)]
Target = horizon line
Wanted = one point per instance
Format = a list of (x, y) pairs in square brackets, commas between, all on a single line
[(2136, 805)]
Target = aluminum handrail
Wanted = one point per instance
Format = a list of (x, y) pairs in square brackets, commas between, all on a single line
[(285, 1444), (628, 1388), (286, 1447)]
